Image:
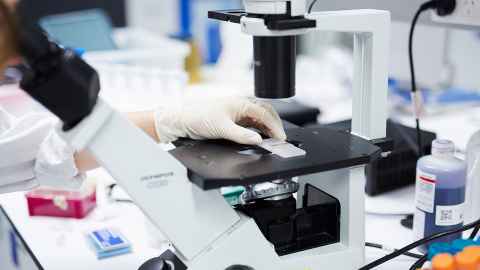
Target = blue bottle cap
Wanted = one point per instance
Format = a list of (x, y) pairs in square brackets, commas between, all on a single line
[(459, 244), (79, 51), (438, 248)]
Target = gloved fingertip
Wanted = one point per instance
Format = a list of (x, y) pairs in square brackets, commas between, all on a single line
[(253, 139), (279, 134), (282, 136)]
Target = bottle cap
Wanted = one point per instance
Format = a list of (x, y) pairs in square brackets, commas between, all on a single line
[(466, 261), (442, 147), (443, 261), (459, 245), (473, 251), (437, 248)]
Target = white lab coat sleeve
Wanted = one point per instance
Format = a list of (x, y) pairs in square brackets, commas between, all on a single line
[(6, 121), (55, 164)]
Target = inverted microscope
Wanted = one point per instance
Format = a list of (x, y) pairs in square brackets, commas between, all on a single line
[(303, 210)]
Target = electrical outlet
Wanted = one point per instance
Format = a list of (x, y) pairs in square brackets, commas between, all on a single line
[(467, 12)]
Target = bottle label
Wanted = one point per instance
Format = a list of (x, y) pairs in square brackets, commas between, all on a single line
[(449, 215), (419, 224), (425, 191)]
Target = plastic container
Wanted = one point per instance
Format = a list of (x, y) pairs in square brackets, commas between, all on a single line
[(443, 262), (466, 261), (473, 179), (474, 252), (139, 47), (58, 203), (459, 245), (439, 248), (440, 192)]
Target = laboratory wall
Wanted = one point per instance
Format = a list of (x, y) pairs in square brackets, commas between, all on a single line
[(401, 10), (444, 55), (159, 16)]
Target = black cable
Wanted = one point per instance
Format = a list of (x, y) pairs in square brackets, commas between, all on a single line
[(444, 7), (474, 232), (408, 254), (419, 264), (419, 243), (312, 4), (412, 76)]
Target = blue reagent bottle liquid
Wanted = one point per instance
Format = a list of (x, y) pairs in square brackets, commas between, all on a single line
[(440, 192)]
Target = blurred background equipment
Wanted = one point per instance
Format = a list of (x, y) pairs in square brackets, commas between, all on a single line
[(398, 168), (33, 11), (89, 30)]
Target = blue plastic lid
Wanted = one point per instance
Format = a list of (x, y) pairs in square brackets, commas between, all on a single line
[(459, 244), (438, 248), (79, 51)]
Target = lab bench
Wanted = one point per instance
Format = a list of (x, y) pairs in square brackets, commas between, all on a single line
[(54, 243), (57, 243)]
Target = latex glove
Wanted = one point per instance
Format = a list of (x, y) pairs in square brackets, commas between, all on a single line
[(55, 164), (218, 118)]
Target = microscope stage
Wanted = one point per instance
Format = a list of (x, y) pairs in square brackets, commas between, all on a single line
[(218, 163)]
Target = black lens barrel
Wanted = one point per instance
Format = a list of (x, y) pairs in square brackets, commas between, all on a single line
[(275, 59)]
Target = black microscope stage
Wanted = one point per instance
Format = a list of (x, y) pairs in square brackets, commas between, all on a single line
[(219, 163)]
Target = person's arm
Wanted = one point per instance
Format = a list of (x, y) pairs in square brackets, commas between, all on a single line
[(144, 120), (203, 118)]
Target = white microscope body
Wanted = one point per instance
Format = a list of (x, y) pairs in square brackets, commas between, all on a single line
[(205, 231)]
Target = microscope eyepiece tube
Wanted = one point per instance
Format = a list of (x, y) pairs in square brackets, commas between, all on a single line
[(274, 63)]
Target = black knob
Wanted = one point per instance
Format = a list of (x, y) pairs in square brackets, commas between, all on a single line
[(239, 267), (155, 264)]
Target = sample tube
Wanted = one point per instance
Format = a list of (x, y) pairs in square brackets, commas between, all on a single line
[(443, 261), (474, 251), (466, 261)]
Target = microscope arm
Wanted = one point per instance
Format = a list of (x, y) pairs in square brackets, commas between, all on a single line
[(190, 218), (371, 29)]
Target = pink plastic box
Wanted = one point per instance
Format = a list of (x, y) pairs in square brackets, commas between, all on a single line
[(58, 203)]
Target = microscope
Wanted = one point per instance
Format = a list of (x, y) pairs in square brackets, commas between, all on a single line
[(300, 211)]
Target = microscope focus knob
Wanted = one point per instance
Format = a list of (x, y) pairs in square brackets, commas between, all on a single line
[(239, 267), (166, 261), (157, 264)]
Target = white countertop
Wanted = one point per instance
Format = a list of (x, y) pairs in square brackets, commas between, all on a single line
[(58, 242)]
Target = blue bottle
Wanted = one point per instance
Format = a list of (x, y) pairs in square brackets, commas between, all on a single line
[(440, 192)]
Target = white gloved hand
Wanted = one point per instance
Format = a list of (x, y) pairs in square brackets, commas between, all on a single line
[(218, 118)]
